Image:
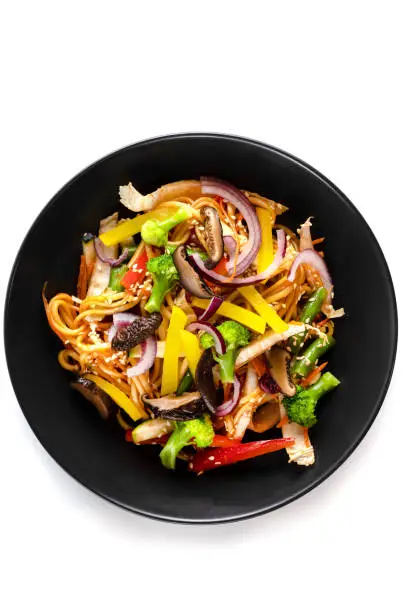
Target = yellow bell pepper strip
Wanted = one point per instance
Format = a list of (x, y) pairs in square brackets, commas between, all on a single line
[(172, 351), (231, 311), (191, 347), (264, 309), (265, 254), (161, 346), (133, 226), (120, 398)]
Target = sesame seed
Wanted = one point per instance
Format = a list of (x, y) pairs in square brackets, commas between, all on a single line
[(211, 458)]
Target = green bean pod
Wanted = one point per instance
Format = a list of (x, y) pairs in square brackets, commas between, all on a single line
[(185, 383), (303, 365), (310, 311)]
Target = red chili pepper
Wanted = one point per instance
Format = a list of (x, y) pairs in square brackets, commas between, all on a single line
[(210, 458), (221, 267), (224, 442), (134, 277)]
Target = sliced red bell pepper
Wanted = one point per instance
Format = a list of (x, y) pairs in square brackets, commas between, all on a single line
[(211, 458), (136, 272), (224, 442), (221, 267)]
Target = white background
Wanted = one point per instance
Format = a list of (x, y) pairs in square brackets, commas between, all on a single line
[(325, 81)]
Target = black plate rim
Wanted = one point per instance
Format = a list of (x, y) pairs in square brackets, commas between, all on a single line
[(394, 322)]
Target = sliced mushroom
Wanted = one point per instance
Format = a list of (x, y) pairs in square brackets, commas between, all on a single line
[(278, 359), (265, 417), (177, 408), (135, 333), (213, 239), (204, 380), (94, 394), (188, 276), (266, 342)]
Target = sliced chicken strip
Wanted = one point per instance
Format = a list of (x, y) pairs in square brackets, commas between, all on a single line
[(132, 199)]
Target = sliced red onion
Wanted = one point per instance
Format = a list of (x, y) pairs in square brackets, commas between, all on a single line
[(149, 349), (123, 319), (112, 332), (211, 309), (268, 385), (109, 260), (249, 280), (230, 193), (229, 405), (210, 329), (230, 245), (312, 258)]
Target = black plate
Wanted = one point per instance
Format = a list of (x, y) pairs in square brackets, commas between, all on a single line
[(96, 454)]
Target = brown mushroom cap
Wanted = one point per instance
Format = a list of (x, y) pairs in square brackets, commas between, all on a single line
[(214, 242), (95, 395), (265, 417), (177, 407), (278, 359), (135, 333), (188, 276)]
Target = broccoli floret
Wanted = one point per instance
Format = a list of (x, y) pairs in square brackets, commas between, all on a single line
[(235, 336), (198, 431), (301, 407), (156, 232), (165, 276)]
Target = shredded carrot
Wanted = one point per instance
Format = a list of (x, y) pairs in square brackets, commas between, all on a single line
[(260, 366), (318, 240), (306, 381), (322, 322), (283, 421), (82, 279), (306, 438)]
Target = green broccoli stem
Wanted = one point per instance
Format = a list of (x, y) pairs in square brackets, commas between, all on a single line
[(227, 365), (326, 383), (180, 437), (304, 365), (156, 298), (179, 216), (310, 311)]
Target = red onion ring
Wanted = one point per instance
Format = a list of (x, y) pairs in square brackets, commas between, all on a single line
[(268, 385), (112, 332), (149, 349), (211, 309), (109, 260), (230, 245), (228, 406), (210, 329), (213, 186), (312, 258), (249, 280), (123, 319)]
